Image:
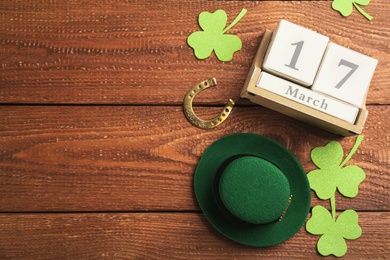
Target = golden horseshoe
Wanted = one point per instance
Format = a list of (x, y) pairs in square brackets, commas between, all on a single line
[(190, 114)]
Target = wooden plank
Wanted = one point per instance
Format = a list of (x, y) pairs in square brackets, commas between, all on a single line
[(115, 158), (115, 181), (131, 52), (161, 236)]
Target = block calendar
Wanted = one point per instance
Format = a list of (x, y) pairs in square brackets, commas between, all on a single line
[(300, 73)]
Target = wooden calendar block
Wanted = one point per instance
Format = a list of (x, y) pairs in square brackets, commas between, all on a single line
[(345, 74), (307, 97), (295, 53), (290, 107)]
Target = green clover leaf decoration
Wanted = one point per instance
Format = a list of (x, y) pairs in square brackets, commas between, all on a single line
[(332, 174), (213, 36), (333, 232), (345, 7)]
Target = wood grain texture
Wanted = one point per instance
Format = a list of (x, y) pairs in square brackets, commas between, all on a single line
[(161, 236), (96, 156), (131, 52), (57, 158)]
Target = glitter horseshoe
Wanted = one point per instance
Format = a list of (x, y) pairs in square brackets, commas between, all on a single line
[(190, 114)]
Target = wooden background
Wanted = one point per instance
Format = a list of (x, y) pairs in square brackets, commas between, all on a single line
[(96, 156)]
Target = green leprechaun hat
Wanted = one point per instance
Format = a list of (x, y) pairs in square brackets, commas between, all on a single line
[(252, 189)]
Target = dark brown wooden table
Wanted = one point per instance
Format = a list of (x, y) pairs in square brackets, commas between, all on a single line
[(96, 156)]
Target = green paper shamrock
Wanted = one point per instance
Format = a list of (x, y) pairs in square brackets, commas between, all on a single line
[(213, 36), (333, 232), (332, 174), (345, 7)]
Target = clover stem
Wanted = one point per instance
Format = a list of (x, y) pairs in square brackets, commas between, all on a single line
[(358, 141), (238, 18), (333, 206), (369, 17)]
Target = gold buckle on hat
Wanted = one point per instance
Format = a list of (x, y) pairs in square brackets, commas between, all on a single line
[(190, 114), (285, 210)]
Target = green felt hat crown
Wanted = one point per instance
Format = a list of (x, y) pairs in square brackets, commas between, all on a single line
[(252, 189)]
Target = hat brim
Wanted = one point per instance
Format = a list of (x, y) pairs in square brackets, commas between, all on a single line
[(245, 233)]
